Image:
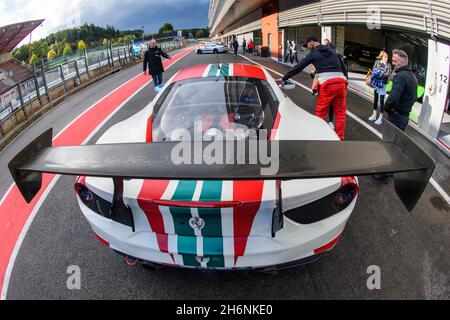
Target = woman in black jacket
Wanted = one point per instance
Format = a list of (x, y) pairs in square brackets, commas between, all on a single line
[(152, 60)]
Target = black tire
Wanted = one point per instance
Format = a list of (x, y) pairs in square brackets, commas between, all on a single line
[(216, 51), (199, 51)]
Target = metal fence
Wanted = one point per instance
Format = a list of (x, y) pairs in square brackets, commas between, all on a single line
[(55, 78)]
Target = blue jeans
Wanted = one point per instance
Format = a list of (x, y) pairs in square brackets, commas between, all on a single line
[(157, 79)]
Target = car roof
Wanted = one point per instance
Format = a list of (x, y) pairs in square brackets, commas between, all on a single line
[(221, 70)]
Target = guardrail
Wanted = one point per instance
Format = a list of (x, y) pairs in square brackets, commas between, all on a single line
[(52, 81)]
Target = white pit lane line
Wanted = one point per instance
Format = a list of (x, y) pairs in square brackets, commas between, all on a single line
[(433, 182), (36, 209)]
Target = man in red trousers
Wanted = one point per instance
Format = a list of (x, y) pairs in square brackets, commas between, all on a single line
[(332, 78)]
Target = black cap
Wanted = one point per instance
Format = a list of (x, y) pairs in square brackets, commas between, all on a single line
[(309, 39)]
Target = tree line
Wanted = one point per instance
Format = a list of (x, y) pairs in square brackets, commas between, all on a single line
[(68, 41)]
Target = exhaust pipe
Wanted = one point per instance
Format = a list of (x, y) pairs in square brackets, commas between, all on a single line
[(131, 261)]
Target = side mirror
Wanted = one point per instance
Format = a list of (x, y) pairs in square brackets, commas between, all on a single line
[(287, 85), (159, 88)]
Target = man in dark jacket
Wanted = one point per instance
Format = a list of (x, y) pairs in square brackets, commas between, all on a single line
[(235, 46), (404, 91), (152, 60), (332, 80), (402, 97)]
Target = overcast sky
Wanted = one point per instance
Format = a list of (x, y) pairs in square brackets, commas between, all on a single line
[(123, 14)]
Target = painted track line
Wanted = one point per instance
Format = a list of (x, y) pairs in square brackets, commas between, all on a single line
[(433, 182), (89, 122)]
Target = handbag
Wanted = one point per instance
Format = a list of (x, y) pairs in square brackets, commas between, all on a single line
[(368, 78)]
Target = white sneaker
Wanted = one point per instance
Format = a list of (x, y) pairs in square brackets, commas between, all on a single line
[(379, 121), (373, 117), (331, 124)]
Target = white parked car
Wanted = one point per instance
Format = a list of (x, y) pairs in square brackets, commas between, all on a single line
[(154, 211), (212, 48)]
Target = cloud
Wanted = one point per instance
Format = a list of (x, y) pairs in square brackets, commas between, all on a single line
[(123, 14)]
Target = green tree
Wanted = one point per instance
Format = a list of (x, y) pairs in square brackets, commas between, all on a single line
[(105, 42), (51, 54), (34, 59), (167, 27), (22, 53), (58, 47), (81, 45), (40, 48), (201, 34), (67, 50)]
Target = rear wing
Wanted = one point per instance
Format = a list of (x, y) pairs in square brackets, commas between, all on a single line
[(397, 154)]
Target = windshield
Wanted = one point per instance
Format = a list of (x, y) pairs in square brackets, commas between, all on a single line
[(214, 108)]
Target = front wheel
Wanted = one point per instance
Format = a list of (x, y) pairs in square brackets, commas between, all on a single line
[(199, 51), (216, 51)]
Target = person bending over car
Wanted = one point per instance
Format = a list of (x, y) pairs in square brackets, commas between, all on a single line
[(152, 60), (332, 78)]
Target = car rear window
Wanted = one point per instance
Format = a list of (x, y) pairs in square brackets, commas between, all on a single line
[(214, 107)]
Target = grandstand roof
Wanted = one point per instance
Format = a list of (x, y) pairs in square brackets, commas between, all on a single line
[(12, 35)]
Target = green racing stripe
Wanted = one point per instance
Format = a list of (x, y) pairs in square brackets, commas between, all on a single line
[(187, 241), (212, 232)]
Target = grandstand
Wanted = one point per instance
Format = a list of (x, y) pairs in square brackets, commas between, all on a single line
[(12, 72)]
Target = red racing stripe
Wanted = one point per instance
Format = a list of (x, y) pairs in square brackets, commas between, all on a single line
[(248, 71), (154, 190), (276, 125), (250, 194), (14, 211), (191, 73)]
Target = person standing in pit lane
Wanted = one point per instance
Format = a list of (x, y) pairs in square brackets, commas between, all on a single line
[(381, 73), (332, 78), (235, 47), (294, 55), (251, 47), (402, 97), (152, 61)]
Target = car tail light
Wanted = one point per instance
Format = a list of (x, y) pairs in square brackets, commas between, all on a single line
[(91, 200), (347, 192), (329, 245), (83, 192), (327, 206)]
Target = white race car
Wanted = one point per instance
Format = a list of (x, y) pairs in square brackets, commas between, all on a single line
[(212, 48), (154, 210)]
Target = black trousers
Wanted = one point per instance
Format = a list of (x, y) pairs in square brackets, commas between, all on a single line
[(401, 122), (398, 120), (375, 101)]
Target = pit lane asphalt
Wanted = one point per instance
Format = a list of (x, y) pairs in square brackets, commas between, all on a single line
[(411, 249)]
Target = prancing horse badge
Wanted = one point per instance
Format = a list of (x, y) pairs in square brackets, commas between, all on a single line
[(197, 223)]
